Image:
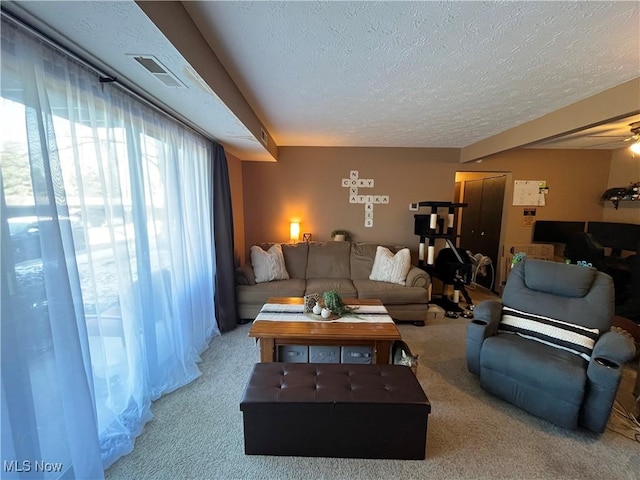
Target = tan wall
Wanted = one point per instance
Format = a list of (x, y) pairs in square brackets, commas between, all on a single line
[(237, 202), (305, 184), (625, 169), (576, 180)]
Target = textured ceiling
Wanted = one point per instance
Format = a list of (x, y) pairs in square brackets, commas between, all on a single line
[(109, 33), (417, 74), (404, 74)]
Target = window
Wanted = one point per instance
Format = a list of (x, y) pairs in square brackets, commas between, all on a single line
[(109, 263)]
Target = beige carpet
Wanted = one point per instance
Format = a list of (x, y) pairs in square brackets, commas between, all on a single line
[(197, 431)]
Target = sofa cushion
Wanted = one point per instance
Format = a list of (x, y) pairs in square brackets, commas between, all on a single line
[(389, 267), (260, 292), (344, 286), (361, 259), (329, 260), (295, 258), (268, 265), (390, 293)]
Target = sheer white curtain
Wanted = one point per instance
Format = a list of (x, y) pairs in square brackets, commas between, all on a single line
[(107, 262)]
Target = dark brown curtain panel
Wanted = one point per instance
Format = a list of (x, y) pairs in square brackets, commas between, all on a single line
[(225, 295)]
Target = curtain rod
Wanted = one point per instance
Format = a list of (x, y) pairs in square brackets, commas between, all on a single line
[(103, 77)]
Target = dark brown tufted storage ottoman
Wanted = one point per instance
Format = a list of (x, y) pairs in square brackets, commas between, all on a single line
[(335, 410)]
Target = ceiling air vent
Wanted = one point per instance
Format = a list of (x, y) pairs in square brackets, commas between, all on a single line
[(155, 68)]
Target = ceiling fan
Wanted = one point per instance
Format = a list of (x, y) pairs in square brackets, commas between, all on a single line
[(635, 138), (635, 129), (612, 134)]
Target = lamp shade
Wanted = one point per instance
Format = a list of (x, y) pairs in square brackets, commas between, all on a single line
[(294, 231), (635, 147)]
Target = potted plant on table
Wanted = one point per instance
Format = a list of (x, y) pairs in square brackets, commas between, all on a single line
[(332, 302), (341, 235)]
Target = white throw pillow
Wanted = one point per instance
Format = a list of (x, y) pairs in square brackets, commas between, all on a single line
[(391, 268), (268, 265)]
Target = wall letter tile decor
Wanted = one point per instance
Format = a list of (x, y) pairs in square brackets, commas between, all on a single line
[(353, 183)]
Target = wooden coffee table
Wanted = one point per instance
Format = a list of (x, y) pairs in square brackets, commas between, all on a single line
[(273, 333)]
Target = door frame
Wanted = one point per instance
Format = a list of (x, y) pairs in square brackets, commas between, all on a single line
[(461, 176)]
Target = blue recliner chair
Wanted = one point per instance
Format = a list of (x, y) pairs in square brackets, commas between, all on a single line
[(547, 347)]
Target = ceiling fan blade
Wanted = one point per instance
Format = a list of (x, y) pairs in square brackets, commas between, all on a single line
[(611, 142)]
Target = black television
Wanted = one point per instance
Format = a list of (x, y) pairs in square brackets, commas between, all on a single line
[(616, 236), (555, 231)]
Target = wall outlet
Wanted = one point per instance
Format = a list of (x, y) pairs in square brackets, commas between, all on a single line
[(413, 207)]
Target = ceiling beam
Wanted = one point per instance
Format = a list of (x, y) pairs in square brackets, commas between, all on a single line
[(610, 105), (176, 24)]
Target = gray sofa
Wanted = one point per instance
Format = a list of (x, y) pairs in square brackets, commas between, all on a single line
[(567, 373), (317, 267)]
